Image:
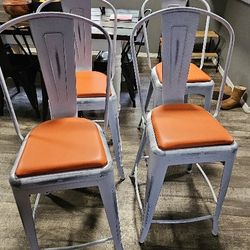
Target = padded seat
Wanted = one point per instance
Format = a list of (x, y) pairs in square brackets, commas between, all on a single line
[(60, 145), (199, 129), (195, 74), (95, 84)]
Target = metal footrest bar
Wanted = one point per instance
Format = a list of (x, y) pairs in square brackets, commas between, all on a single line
[(182, 221), (138, 197), (38, 196), (208, 181), (189, 220), (92, 243)]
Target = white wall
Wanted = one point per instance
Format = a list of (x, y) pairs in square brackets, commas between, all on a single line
[(237, 13)]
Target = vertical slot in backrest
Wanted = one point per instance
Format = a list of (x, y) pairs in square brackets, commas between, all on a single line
[(178, 33), (54, 40)]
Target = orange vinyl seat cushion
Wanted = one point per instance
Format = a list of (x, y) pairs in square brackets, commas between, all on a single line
[(91, 84), (60, 145), (178, 126), (195, 74)]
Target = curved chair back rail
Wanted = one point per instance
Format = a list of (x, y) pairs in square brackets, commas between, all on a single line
[(170, 94)]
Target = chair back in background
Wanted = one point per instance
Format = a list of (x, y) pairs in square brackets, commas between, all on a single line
[(83, 43), (56, 58), (173, 3), (177, 3), (58, 71), (176, 53)]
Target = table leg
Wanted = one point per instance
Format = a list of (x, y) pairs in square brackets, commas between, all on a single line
[(1, 102)]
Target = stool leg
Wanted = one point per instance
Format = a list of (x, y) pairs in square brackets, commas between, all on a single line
[(25, 211), (156, 174), (149, 94), (227, 171), (115, 132), (208, 97), (107, 190), (140, 152)]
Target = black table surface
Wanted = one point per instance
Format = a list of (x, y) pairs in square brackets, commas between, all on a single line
[(124, 28)]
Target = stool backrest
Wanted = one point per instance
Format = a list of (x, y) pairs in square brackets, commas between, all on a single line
[(53, 37), (83, 44), (178, 34), (178, 28), (178, 3), (83, 35), (53, 34)]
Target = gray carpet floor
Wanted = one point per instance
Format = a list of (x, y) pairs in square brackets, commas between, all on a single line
[(76, 216)]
